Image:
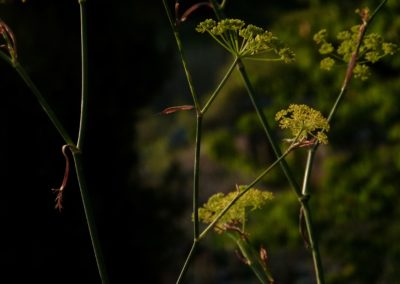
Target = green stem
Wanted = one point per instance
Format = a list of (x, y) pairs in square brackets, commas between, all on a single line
[(183, 58), (187, 262), (89, 217), (285, 168), (84, 74), (218, 10), (77, 155), (318, 268), (284, 165), (251, 257), (196, 177), (247, 188), (42, 101), (219, 87), (312, 240), (307, 171), (311, 153)]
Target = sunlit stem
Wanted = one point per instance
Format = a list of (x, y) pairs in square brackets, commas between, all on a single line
[(267, 129), (196, 177), (311, 153), (183, 58), (187, 262), (241, 193), (219, 87)]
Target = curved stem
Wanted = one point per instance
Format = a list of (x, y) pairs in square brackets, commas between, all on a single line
[(84, 74)]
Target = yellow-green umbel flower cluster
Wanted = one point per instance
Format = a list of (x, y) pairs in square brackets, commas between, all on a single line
[(306, 124), (253, 199), (246, 41), (372, 49)]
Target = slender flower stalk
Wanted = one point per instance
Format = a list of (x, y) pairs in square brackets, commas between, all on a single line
[(76, 149), (78, 153), (246, 188), (183, 58), (267, 128), (220, 85), (366, 20), (43, 102), (285, 168), (84, 74), (187, 262), (196, 170)]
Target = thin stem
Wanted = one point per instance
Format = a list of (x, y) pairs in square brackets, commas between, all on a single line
[(42, 101), (90, 218), (311, 153), (183, 58), (318, 268), (218, 10), (307, 171), (77, 154), (187, 262), (223, 3), (260, 59), (285, 168), (251, 257), (219, 87), (376, 11), (196, 178), (240, 194), (6, 58), (84, 74)]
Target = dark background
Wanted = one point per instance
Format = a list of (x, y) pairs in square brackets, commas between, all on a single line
[(142, 212)]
